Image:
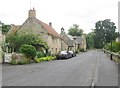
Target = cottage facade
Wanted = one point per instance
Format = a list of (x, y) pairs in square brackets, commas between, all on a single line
[(43, 30)]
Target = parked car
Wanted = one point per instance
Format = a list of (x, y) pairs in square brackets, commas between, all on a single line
[(64, 55), (73, 53)]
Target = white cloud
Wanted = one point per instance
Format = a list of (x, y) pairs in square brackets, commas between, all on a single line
[(62, 13)]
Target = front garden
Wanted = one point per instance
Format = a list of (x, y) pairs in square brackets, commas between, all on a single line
[(27, 48)]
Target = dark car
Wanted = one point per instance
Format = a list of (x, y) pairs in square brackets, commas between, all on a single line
[(73, 53), (64, 55)]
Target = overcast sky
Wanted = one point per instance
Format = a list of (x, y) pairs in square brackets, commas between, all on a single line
[(62, 13)]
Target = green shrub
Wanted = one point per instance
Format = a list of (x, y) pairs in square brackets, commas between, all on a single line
[(28, 50), (13, 62), (19, 59), (77, 51), (48, 58), (82, 50), (40, 54), (115, 46), (119, 52), (20, 62)]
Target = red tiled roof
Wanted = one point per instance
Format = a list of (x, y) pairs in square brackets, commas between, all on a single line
[(49, 29)]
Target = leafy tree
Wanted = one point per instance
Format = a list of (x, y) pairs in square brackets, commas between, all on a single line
[(90, 40), (75, 30), (16, 41), (104, 33), (5, 28)]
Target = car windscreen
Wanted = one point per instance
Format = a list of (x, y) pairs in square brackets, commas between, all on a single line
[(71, 52), (63, 52)]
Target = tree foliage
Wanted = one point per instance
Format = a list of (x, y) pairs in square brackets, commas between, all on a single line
[(5, 28), (104, 33), (16, 41), (75, 30), (115, 46), (90, 40)]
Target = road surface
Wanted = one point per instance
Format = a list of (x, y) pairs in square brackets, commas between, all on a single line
[(83, 70)]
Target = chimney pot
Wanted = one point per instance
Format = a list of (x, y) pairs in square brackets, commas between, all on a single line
[(50, 24)]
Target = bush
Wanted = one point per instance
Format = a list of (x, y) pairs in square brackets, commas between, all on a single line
[(77, 51), (115, 46), (28, 50), (82, 50), (119, 52), (40, 54), (20, 62), (19, 59), (48, 58)]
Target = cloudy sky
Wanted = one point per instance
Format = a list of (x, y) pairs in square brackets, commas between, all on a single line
[(62, 13)]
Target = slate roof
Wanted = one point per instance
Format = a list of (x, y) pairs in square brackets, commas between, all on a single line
[(79, 39), (68, 40)]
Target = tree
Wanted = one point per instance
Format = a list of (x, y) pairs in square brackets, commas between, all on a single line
[(75, 30), (104, 33), (90, 40), (5, 28), (16, 41)]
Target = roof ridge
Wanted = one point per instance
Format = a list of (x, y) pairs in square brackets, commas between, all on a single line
[(49, 29)]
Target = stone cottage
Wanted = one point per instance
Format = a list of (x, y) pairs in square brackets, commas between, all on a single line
[(73, 42), (37, 27)]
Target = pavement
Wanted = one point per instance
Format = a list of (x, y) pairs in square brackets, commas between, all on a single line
[(82, 70), (107, 71)]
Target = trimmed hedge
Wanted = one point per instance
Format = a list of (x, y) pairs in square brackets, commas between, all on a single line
[(28, 50)]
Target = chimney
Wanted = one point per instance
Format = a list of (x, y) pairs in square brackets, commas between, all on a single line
[(32, 13), (62, 30), (50, 24)]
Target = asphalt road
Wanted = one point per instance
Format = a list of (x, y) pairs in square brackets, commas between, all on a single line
[(83, 70)]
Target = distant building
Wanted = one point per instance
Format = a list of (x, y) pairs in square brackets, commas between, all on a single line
[(73, 42), (67, 39)]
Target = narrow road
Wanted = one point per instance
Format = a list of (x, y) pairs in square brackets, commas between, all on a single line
[(78, 71)]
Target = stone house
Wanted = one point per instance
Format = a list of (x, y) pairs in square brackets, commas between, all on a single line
[(37, 27), (73, 42), (67, 39)]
